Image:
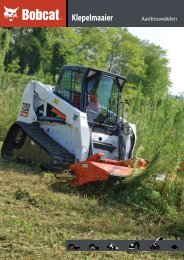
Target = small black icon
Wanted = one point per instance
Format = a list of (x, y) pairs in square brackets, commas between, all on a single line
[(72, 247), (155, 246), (93, 247), (134, 246), (112, 247), (174, 247)]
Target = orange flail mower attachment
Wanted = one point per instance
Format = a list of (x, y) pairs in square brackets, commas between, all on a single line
[(95, 168)]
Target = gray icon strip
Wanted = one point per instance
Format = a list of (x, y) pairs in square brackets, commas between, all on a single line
[(125, 245)]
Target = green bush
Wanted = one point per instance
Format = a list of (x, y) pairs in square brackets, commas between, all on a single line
[(10, 98), (11, 95), (159, 126), (160, 188)]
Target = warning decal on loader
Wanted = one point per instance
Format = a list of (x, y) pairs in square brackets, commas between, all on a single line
[(24, 113)]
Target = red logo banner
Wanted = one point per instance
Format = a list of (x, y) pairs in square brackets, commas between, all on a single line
[(43, 13)]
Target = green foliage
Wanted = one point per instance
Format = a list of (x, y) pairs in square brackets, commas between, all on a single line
[(156, 75), (159, 129), (20, 194), (46, 50), (4, 45), (10, 98), (159, 188), (126, 56), (14, 65), (26, 44)]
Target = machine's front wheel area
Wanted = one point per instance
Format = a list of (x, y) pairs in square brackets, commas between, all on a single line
[(14, 139), (19, 138)]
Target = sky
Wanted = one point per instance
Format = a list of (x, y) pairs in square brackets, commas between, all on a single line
[(172, 40)]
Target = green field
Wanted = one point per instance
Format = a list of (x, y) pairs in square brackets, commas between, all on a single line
[(38, 214)]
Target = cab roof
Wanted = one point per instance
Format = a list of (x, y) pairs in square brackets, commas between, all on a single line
[(87, 70)]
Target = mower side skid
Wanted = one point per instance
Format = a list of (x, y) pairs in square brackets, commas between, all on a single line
[(97, 169)]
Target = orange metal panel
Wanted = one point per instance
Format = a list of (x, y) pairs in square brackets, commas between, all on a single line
[(114, 170), (87, 172), (95, 171), (95, 168)]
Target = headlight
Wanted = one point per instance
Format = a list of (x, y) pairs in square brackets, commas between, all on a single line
[(127, 130)]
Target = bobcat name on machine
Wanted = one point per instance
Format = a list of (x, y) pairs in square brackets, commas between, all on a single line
[(74, 127)]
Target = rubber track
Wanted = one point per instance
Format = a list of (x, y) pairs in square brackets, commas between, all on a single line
[(60, 156)]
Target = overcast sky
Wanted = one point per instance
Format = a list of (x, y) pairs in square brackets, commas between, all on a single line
[(172, 40)]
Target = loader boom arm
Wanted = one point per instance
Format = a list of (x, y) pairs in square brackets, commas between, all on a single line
[(76, 129)]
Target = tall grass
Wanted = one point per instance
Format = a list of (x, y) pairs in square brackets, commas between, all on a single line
[(160, 124), (10, 98), (160, 188)]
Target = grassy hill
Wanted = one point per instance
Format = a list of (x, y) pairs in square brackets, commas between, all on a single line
[(38, 214)]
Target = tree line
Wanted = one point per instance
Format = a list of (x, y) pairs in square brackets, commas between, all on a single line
[(43, 51)]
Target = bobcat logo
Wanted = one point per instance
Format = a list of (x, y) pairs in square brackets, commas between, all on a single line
[(10, 14)]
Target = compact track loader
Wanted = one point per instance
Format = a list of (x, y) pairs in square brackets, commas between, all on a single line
[(74, 128)]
